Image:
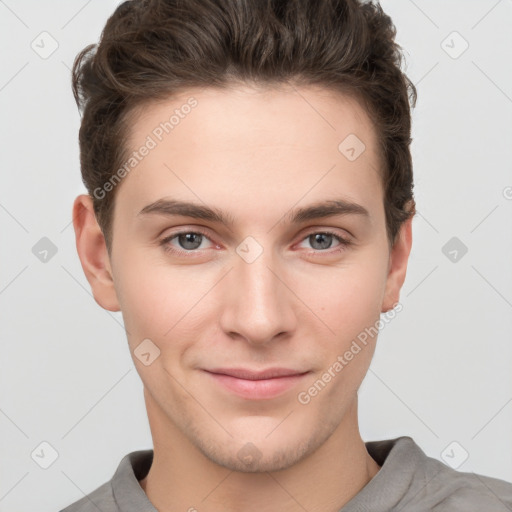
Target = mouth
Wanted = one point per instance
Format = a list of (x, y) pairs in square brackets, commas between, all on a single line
[(256, 385)]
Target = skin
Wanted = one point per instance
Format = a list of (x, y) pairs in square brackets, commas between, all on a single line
[(256, 154)]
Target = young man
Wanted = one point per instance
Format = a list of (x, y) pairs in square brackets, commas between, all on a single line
[(249, 212)]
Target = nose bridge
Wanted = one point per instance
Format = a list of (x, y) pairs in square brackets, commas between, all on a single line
[(259, 307)]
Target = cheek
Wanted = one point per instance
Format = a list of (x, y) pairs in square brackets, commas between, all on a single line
[(352, 301), (159, 302), (148, 297), (352, 313)]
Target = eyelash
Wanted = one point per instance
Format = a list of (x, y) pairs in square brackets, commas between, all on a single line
[(344, 243)]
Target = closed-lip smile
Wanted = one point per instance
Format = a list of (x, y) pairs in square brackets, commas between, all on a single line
[(257, 384)]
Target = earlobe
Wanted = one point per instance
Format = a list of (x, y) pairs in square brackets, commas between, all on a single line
[(93, 254), (398, 261)]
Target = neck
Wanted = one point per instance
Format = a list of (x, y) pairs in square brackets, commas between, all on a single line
[(182, 478)]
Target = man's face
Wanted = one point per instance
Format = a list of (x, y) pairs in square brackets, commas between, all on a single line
[(261, 292)]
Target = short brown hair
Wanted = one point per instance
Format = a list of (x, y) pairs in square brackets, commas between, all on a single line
[(153, 49)]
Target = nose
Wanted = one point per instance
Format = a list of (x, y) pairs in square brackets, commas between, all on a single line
[(258, 304)]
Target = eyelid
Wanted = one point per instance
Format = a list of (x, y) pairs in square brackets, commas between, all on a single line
[(332, 230), (165, 241), (343, 240)]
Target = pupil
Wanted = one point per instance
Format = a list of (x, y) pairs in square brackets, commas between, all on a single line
[(189, 238), (324, 236)]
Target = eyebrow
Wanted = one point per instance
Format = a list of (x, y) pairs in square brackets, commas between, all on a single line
[(319, 210)]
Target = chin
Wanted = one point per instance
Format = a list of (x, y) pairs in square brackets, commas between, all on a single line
[(252, 460)]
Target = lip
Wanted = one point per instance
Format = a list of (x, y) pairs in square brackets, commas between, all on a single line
[(256, 385)]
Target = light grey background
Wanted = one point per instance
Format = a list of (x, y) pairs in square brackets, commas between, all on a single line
[(442, 369)]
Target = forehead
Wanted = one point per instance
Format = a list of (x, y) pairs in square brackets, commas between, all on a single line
[(275, 143), (224, 116)]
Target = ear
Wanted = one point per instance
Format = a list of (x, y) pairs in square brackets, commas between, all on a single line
[(93, 254), (398, 260)]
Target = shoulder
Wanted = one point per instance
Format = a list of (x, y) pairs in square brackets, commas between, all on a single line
[(449, 489), (440, 488), (101, 498), (123, 491)]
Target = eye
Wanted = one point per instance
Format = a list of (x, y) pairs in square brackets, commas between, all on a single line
[(188, 242), (322, 240)]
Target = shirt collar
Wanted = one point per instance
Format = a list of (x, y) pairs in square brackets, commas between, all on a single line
[(129, 495), (397, 457), (402, 460)]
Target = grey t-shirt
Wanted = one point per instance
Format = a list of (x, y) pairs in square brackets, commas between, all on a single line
[(408, 481)]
